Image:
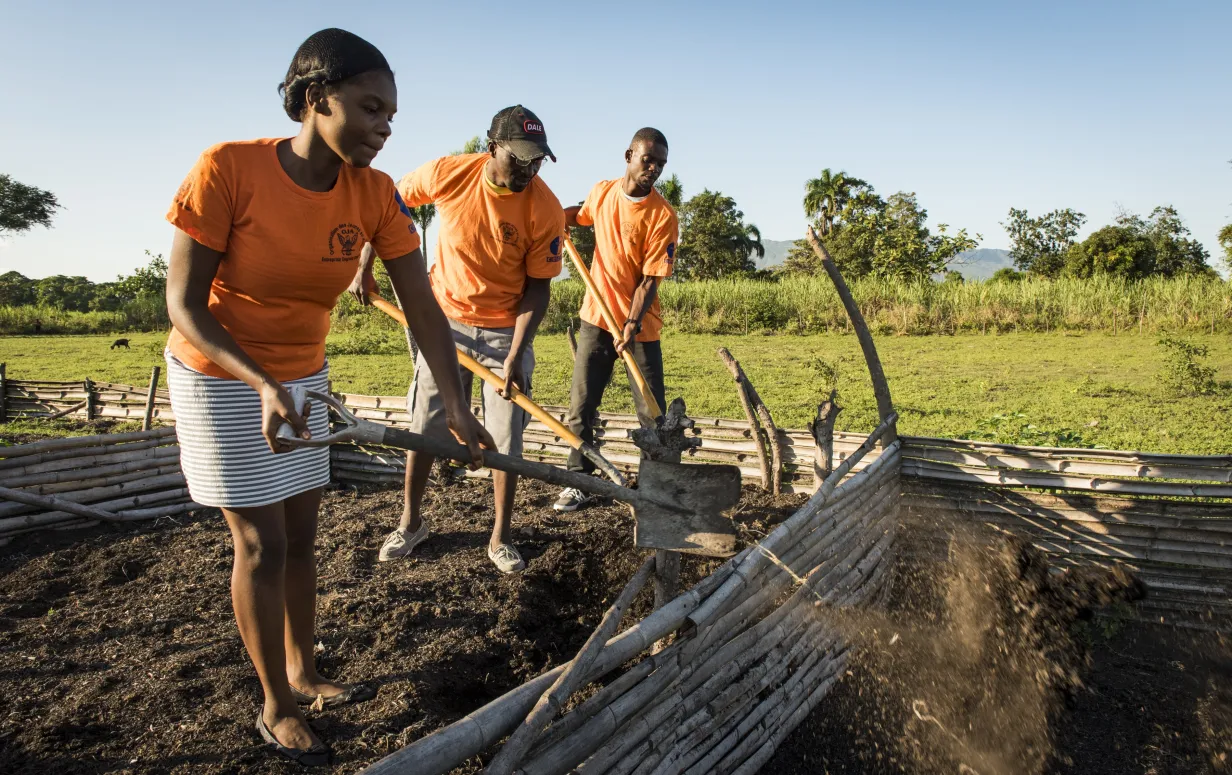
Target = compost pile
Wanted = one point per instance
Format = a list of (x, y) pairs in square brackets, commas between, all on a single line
[(119, 650), (979, 667)]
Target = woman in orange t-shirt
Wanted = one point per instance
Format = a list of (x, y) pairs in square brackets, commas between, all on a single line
[(268, 236)]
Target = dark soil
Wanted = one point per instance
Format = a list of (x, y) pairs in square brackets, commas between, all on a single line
[(996, 666), (119, 652)]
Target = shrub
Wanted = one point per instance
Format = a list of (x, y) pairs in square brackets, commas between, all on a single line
[(1182, 372)]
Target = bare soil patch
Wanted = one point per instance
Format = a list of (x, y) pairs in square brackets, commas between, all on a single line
[(119, 653)]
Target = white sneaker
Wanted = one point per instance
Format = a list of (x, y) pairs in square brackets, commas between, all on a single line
[(571, 499), (506, 558), (400, 542)]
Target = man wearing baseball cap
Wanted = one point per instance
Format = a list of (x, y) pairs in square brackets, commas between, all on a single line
[(499, 248)]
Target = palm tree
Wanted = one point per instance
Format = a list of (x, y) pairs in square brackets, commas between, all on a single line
[(826, 195), (749, 242), (423, 217)]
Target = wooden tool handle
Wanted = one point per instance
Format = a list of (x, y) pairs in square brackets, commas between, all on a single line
[(638, 378), (402, 439), (475, 367)]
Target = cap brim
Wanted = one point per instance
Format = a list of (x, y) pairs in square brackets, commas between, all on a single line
[(529, 149)]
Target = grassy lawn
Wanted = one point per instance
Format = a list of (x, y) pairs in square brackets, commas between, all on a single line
[(1050, 389)]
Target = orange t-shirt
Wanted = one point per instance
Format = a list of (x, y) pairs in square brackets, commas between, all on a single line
[(288, 252), (491, 239), (633, 240)]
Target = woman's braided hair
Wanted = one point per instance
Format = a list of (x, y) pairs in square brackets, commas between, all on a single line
[(327, 57)]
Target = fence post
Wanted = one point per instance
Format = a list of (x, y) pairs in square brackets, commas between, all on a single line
[(4, 414), (149, 399), (822, 430), (89, 398)]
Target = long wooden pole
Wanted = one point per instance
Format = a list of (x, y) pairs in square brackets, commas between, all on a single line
[(149, 399), (630, 362), (56, 504), (519, 398), (881, 388), (4, 415), (746, 401)]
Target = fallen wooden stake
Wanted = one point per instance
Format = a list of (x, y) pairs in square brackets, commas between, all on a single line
[(52, 503), (570, 680)]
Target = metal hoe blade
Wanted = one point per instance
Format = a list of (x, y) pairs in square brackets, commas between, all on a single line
[(682, 507)]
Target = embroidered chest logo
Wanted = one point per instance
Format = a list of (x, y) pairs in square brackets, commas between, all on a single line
[(508, 233), (343, 240)]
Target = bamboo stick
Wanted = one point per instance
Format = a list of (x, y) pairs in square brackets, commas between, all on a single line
[(93, 471), (4, 389), (19, 466), (83, 441), (746, 401), (570, 680), (1027, 461), (440, 752), (1144, 457), (55, 504), (51, 518), (63, 412), (99, 493), (1060, 481), (162, 468), (89, 399)]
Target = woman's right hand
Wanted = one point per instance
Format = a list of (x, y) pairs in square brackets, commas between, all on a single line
[(363, 285), (277, 407), (467, 429)]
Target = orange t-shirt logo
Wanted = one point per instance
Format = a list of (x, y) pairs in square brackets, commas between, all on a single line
[(346, 235)]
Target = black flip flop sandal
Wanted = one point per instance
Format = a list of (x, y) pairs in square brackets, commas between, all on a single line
[(316, 756), (355, 693)]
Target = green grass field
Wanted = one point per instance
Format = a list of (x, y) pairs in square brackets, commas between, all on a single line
[(1050, 389)]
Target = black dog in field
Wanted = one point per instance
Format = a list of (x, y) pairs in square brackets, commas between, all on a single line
[(120, 343)]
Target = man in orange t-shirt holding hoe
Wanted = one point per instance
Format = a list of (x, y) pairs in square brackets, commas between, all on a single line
[(498, 250), (636, 232)]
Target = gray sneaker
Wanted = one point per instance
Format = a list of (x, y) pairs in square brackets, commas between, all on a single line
[(506, 558), (571, 499), (400, 542)]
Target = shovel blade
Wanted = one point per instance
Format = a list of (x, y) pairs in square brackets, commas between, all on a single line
[(682, 507)]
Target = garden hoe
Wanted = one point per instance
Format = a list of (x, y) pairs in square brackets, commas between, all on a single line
[(676, 507)]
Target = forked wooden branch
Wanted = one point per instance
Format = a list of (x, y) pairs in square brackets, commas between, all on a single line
[(63, 412), (554, 698), (56, 504), (746, 401), (822, 430)]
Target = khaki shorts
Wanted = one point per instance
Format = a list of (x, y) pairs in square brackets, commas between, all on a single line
[(505, 420)]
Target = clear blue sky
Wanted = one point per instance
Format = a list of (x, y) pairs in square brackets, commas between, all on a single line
[(976, 107)]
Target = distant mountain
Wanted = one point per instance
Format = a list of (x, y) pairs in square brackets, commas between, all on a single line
[(978, 264), (776, 253)]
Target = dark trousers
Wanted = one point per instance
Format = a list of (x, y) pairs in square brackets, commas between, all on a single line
[(592, 370)]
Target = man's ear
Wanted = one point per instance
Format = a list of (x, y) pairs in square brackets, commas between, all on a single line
[(492, 149), (628, 155), (316, 99)]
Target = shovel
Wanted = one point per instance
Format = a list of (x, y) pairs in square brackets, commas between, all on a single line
[(519, 398), (675, 507)]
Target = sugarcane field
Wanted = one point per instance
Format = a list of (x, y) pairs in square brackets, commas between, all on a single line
[(635, 434)]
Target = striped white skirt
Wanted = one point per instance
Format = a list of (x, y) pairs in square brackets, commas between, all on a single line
[(222, 452)]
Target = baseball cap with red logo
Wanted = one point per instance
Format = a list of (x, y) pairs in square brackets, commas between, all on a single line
[(521, 132)]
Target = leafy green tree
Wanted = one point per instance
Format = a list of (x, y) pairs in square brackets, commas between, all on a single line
[(1038, 245), (714, 239), (672, 190), (827, 195), (1007, 275), (1134, 247), (16, 290), (67, 293), (147, 282), (23, 207), (474, 145)]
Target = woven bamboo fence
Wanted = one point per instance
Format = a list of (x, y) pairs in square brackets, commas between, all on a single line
[(1168, 518), (81, 481), (83, 399)]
